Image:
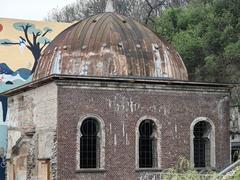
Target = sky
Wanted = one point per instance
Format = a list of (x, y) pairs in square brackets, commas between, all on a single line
[(30, 9)]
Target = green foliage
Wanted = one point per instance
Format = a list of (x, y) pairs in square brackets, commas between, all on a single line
[(20, 26), (232, 51), (47, 29), (233, 175), (236, 175), (207, 35), (43, 40), (184, 171)]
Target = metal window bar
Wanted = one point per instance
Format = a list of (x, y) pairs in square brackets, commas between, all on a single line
[(146, 144), (200, 144), (89, 144)]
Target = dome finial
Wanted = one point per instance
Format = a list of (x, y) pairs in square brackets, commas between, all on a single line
[(109, 6)]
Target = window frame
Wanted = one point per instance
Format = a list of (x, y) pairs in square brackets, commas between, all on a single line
[(211, 139), (100, 135), (157, 137)]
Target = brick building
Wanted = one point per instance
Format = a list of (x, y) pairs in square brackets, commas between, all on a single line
[(111, 100)]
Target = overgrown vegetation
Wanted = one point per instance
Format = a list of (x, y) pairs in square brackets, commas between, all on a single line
[(184, 170), (207, 35), (236, 175)]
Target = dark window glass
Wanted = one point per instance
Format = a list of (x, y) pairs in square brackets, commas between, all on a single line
[(89, 144), (146, 144), (200, 144), (235, 153)]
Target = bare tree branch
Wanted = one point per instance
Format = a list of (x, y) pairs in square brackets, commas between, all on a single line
[(45, 43), (44, 34), (143, 10), (25, 30), (10, 43), (23, 39)]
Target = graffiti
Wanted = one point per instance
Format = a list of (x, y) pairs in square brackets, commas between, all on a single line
[(3, 162), (2, 168), (33, 39), (1, 27)]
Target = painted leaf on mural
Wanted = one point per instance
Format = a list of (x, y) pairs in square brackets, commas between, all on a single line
[(43, 40)]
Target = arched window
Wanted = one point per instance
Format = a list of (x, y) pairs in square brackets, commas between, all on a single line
[(147, 144), (203, 143), (90, 143)]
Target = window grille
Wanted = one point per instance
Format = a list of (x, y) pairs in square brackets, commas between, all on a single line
[(200, 144), (146, 144), (89, 145)]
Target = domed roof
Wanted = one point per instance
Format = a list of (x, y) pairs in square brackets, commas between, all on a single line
[(110, 45)]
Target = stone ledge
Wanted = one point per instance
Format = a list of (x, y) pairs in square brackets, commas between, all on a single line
[(148, 169), (91, 170)]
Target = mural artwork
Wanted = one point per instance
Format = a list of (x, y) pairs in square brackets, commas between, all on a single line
[(37, 42), (21, 44)]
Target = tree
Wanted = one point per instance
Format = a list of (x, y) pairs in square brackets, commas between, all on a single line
[(143, 10), (206, 34), (33, 39)]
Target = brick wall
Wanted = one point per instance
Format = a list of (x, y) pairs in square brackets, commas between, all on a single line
[(174, 107)]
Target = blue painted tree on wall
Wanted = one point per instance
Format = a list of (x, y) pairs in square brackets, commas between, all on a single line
[(33, 39)]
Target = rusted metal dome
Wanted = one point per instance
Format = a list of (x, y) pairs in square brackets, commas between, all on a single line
[(110, 45)]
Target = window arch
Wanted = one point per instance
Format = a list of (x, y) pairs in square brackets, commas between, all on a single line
[(202, 143), (90, 143), (148, 143)]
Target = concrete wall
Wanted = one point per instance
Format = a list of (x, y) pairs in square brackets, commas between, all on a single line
[(235, 119), (121, 106)]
